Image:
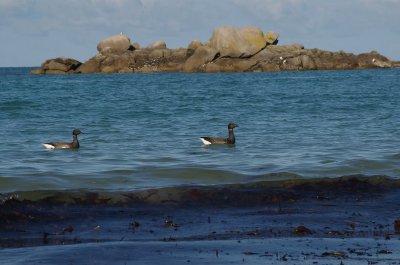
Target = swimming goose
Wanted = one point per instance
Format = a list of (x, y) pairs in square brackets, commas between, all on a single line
[(65, 145), (229, 140)]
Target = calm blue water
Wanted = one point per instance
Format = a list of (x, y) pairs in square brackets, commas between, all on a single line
[(142, 130)]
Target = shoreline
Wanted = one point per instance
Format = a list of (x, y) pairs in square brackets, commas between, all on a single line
[(343, 220), (328, 251), (277, 183)]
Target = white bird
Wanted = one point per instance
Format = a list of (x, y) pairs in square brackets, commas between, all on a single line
[(373, 60), (281, 58)]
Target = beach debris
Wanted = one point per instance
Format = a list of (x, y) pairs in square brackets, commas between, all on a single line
[(169, 239), (45, 238), (68, 229), (8, 198), (133, 225), (253, 233), (324, 198), (168, 222), (16, 216), (359, 252), (302, 230), (337, 254), (250, 253), (334, 233), (384, 251), (397, 226)]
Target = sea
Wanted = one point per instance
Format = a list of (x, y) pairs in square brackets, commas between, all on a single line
[(141, 131)]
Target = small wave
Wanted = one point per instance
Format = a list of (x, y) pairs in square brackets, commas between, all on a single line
[(395, 157), (13, 105), (239, 194), (192, 173)]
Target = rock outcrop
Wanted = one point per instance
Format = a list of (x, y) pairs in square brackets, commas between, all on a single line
[(229, 50)]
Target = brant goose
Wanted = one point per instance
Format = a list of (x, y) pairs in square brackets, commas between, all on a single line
[(229, 140), (65, 145)]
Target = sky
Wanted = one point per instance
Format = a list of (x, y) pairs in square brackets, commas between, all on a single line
[(33, 31)]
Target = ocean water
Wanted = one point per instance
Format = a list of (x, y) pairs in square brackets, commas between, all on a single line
[(142, 131)]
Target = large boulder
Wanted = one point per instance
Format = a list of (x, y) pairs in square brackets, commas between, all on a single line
[(115, 44), (194, 44), (271, 38), (159, 44), (92, 65), (237, 42), (60, 65), (201, 57), (136, 45)]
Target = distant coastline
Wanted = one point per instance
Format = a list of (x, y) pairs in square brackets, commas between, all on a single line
[(229, 50)]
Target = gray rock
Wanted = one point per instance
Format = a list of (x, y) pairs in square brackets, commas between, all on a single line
[(307, 62), (115, 44), (201, 57), (194, 44), (374, 60), (136, 45), (157, 45), (39, 71), (60, 65), (271, 38), (92, 65), (237, 42), (160, 53), (232, 65)]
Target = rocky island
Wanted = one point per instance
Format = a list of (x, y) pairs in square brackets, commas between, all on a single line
[(229, 49)]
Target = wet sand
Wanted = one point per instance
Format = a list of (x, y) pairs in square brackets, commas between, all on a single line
[(346, 220)]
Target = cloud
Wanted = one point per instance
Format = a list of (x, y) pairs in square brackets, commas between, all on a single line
[(174, 16), (34, 16), (335, 24)]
